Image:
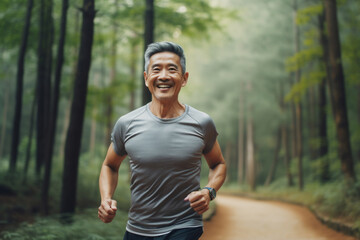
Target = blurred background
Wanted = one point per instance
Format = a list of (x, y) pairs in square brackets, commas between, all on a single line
[(280, 78)]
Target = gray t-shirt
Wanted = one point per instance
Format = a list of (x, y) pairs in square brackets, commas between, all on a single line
[(165, 161)]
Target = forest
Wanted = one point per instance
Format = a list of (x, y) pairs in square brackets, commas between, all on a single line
[(280, 79)]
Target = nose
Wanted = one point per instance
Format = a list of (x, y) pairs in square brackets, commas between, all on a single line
[(163, 76)]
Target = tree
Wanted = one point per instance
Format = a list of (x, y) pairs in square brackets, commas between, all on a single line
[(323, 135), (337, 89), (54, 109), (250, 146), (44, 69), (241, 133), (19, 88), (298, 108), (275, 160), (148, 38), (73, 139)]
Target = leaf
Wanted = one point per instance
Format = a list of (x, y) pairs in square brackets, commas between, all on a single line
[(305, 15), (307, 80), (300, 59)]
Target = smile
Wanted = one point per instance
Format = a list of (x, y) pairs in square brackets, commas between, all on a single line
[(163, 86)]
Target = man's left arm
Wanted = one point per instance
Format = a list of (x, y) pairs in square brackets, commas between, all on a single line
[(200, 200)]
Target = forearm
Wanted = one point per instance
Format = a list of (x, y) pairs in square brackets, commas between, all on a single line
[(217, 176), (107, 182)]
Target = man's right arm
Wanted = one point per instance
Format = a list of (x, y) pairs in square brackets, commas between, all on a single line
[(107, 184)]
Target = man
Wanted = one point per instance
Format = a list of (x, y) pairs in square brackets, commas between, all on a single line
[(165, 141)]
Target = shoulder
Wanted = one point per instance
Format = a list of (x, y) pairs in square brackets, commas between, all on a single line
[(201, 117), (126, 119)]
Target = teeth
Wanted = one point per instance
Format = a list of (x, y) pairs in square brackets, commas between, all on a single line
[(163, 86)]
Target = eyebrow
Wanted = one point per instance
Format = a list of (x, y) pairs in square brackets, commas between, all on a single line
[(168, 65)]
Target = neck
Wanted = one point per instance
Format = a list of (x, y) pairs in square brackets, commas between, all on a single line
[(167, 110)]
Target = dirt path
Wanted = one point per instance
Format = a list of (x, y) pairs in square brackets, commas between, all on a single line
[(245, 219)]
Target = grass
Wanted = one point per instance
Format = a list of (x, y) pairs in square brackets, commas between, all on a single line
[(85, 226)]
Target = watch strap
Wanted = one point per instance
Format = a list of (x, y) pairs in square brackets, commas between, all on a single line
[(212, 192)]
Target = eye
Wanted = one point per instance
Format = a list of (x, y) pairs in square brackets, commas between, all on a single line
[(156, 69), (172, 69)]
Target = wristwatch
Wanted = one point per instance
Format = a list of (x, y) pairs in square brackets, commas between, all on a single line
[(212, 192)]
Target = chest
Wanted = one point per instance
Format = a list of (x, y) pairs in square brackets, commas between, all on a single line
[(166, 145)]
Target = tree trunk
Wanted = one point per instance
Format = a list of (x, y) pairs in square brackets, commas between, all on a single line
[(19, 88), (250, 147), (275, 160), (230, 163), (148, 38), (311, 123), (74, 53), (241, 124), (285, 144), (109, 97), (54, 109), (133, 70), (323, 136), (338, 91), (323, 150), (299, 145), (31, 131), (65, 127), (73, 140), (284, 139), (43, 81), (358, 105), (298, 108), (4, 121), (93, 131)]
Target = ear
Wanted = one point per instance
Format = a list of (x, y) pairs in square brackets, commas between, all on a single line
[(185, 79), (145, 78)]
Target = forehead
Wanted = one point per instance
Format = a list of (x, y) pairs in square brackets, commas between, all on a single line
[(165, 58)]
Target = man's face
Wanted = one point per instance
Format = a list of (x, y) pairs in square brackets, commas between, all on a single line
[(164, 77)]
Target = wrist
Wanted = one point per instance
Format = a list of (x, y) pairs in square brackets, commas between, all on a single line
[(212, 192)]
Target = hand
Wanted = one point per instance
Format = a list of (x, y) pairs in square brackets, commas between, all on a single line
[(107, 210), (199, 200)]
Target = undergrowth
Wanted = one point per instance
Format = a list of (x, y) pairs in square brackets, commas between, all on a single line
[(85, 226)]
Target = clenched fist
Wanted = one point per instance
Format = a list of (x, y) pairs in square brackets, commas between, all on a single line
[(199, 200), (107, 210)]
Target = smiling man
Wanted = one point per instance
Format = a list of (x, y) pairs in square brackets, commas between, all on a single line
[(165, 141)]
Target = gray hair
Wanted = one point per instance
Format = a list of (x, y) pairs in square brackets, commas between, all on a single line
[(158, 47)]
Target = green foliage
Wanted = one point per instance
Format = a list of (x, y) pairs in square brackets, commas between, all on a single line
[(86, 226), (305, 15), (300, 59), (338, 200), (308, 80)]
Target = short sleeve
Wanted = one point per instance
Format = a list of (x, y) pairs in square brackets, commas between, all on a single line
[(117, 138), (210, 135)]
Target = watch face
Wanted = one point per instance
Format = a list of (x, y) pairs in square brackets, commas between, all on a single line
[(213, 194)]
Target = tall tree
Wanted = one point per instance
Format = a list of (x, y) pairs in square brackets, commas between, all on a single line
[(148, 38), (4, 120), (284, 138), (54, 108), (298, 107), (275, 159), (250, 146), (337, 89), (113, 75), (322, 115), (19, 88), (241, 134), (73, 140), (43, 80), (31, 132)]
